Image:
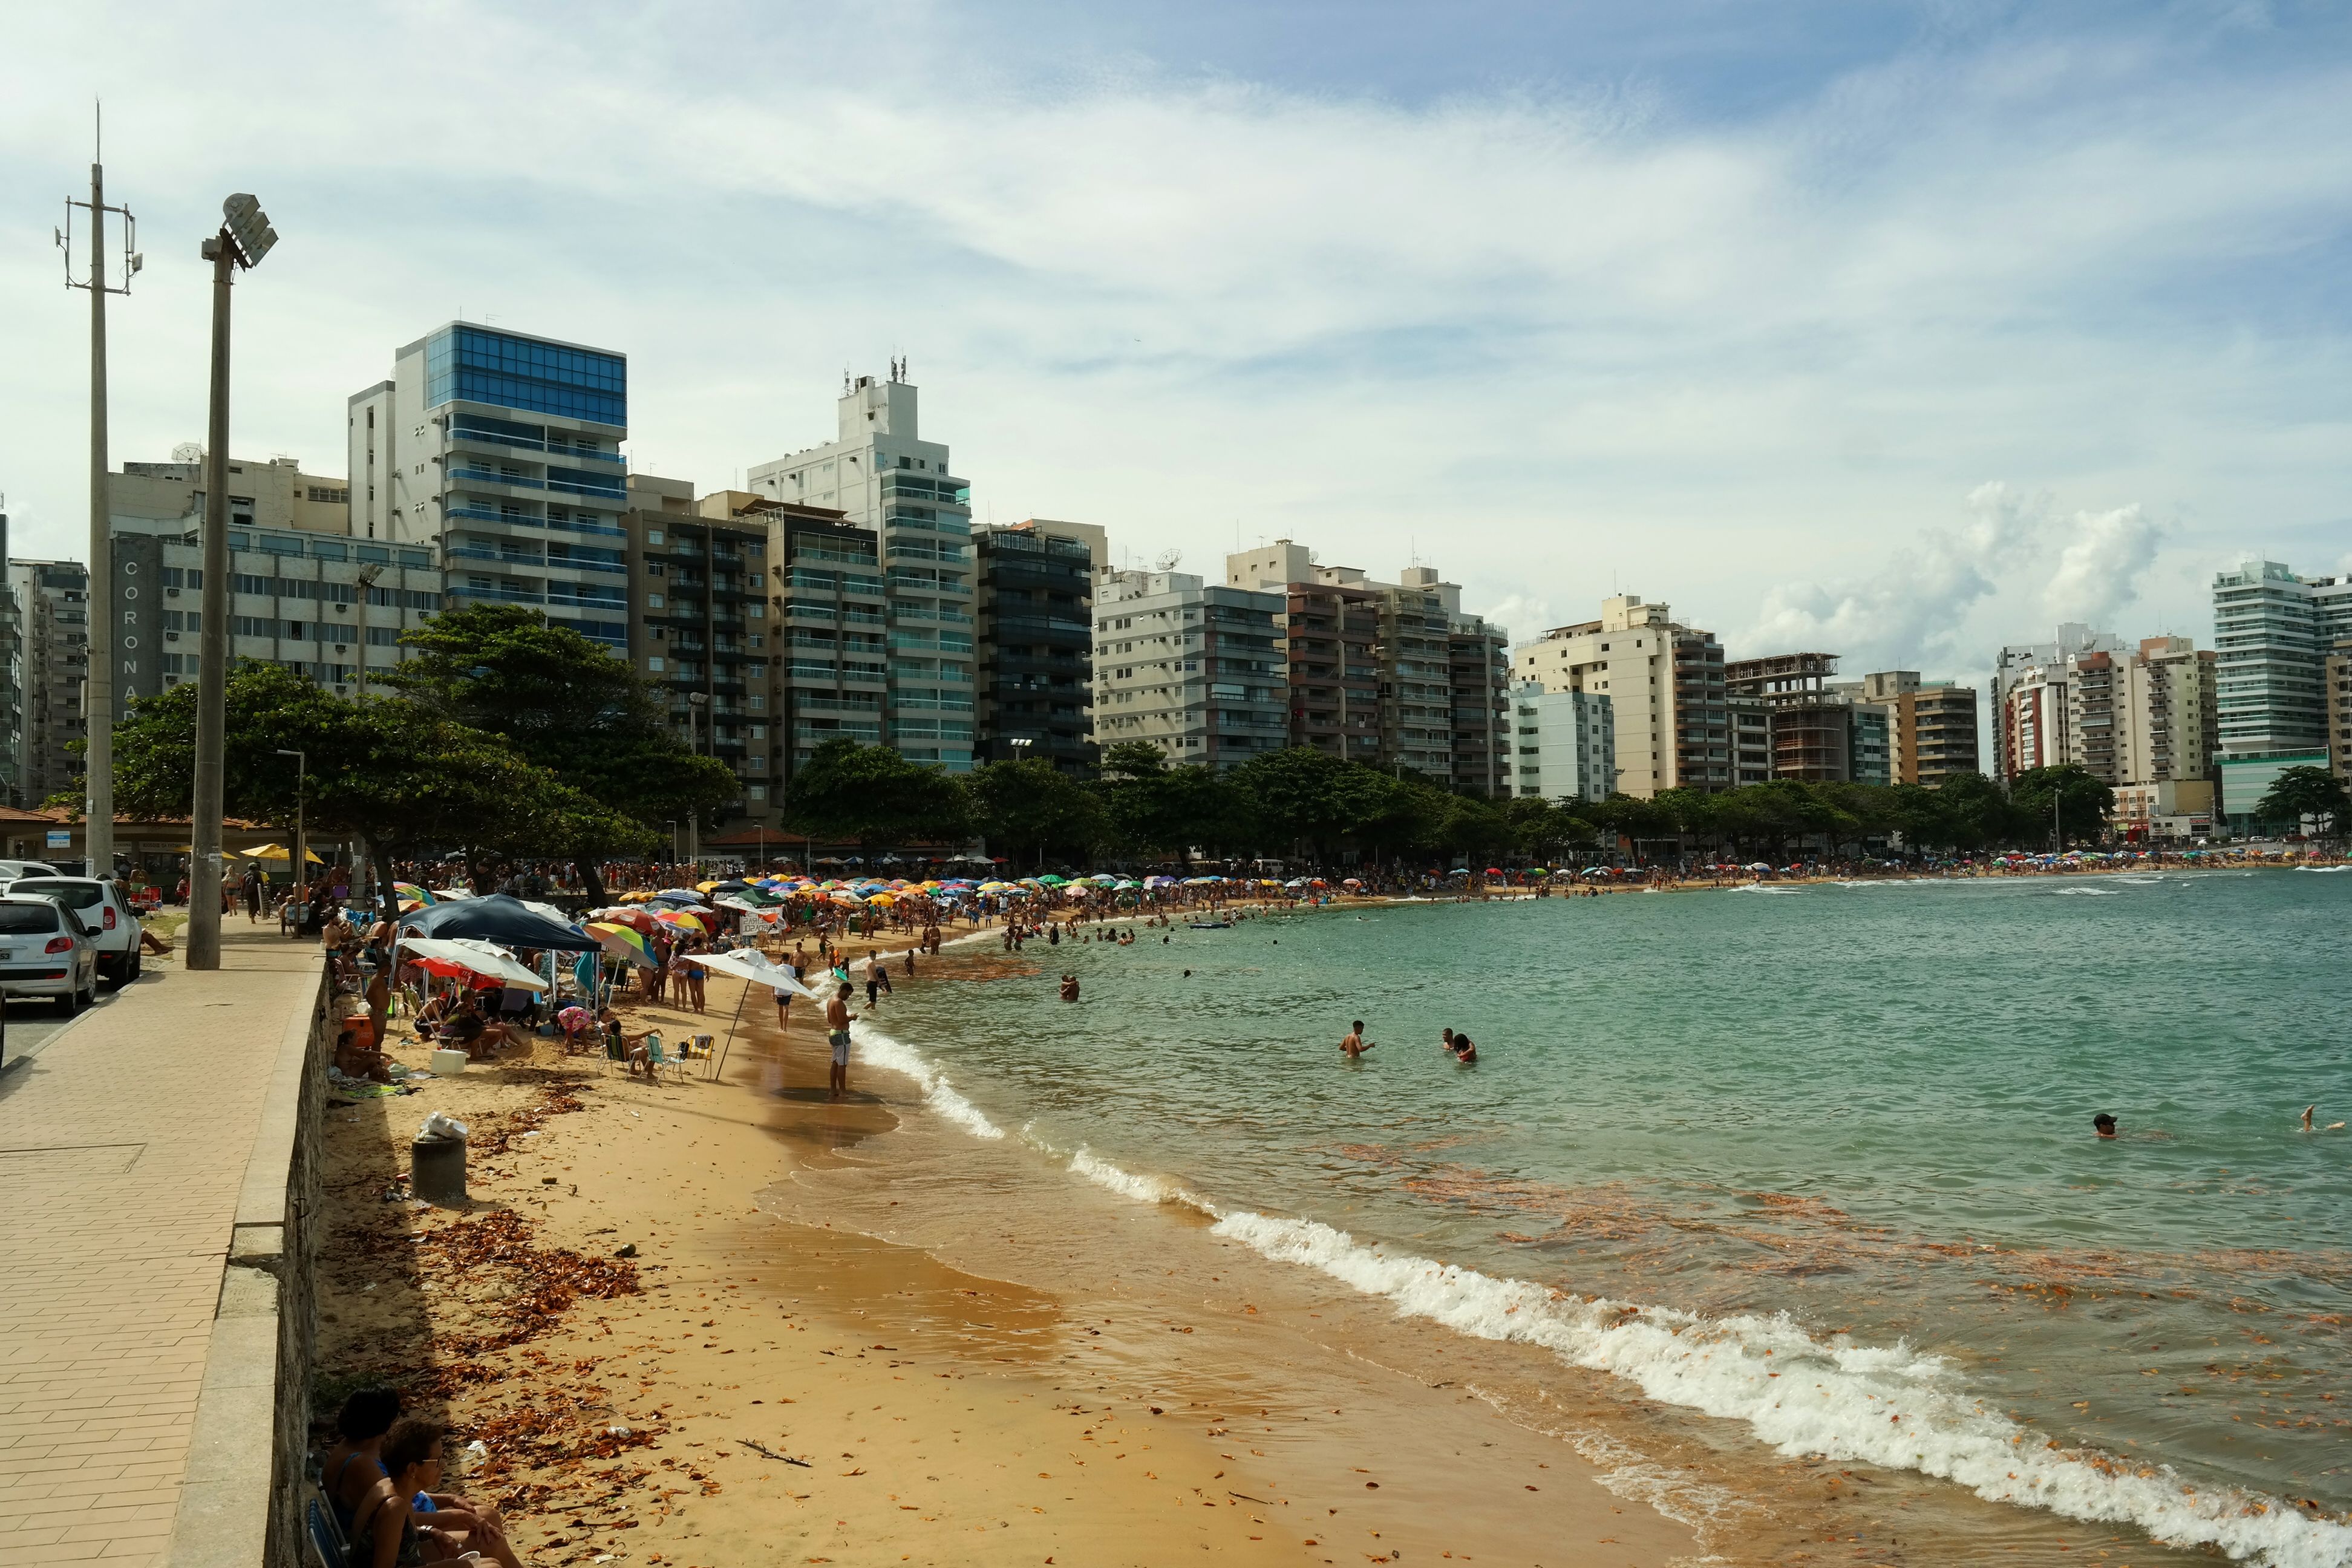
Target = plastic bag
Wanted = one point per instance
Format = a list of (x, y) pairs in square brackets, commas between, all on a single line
[(439, 1126)]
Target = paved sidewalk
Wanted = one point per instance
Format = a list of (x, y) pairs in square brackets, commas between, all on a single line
[(123, 1152)]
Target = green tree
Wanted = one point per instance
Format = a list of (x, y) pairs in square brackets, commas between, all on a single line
[(566, 704), (2068, 800), (872, 796), (2305, 792), (1156, 808), (380, 769), (1031, 805)]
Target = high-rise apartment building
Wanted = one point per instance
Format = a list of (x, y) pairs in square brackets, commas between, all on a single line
[(1479, 668), (2029, 698), (1811, 727), (832, 619), (1665, 682), (2271, 634), (1392, 674), (1195, 668), (1563, 743), (53, 598), (699, 630), (501, 450), (1931, 724), (1037, 644), (2167, 721), (2339, 707), (880, 474)]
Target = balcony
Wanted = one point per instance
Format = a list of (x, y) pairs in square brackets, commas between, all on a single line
[(492, 477)]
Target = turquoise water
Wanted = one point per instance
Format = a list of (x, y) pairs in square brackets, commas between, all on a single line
[(1823, 1153)]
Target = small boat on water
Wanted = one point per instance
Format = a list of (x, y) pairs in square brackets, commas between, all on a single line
[(1213, 925)]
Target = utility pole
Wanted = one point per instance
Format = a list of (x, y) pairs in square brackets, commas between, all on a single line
[(244, 238), (97, 682)]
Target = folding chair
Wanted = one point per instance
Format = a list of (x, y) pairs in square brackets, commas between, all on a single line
[(659, 1061), (327, 1549)]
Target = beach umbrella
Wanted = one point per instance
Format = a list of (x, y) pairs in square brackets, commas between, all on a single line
[(688, 894), (411, 890), (279, 852), (621, 942), (500, 919), (679, 918)]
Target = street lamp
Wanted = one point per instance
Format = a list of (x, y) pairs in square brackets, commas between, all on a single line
[(367, 576), (244, 238), (299, 861)]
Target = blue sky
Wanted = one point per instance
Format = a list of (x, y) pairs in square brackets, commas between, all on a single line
[(1899, 330)]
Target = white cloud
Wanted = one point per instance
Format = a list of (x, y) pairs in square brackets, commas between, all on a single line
[(1561, 347), (2105, 555)]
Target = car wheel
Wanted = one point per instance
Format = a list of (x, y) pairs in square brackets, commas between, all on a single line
[(137, 963), (69, 1003)]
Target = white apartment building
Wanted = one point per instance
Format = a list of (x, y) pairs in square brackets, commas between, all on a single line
[(328, 607), (880, 474), (1665, 682), (1195, 670), (2029, 698), (500, 451), (1565, 743)]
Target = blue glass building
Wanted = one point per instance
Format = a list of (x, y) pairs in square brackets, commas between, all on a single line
[(503, 450)]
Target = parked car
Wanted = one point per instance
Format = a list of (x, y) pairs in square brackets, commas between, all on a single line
[(105, 909), (46, 951), (12, 869)]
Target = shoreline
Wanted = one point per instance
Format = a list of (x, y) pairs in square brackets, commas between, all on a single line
[(931, 1401)]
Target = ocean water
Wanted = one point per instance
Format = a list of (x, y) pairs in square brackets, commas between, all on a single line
[(1811, 1166)]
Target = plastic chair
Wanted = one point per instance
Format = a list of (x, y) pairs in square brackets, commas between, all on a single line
[(614, 1052), (659, 1061)]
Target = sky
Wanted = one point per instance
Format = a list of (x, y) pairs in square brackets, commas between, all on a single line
[(1895, 330)]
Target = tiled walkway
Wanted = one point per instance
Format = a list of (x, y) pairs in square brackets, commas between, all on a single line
[(123, 1148)]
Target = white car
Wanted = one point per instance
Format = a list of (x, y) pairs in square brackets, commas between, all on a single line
[(46, 951), (104, 907), (12, 869)]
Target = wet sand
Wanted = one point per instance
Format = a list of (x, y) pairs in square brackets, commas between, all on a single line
[(648, 1408)]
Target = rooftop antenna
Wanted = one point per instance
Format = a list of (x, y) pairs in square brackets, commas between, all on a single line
[(845, 381)]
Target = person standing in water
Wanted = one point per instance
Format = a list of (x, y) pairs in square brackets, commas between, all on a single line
[(837, 1017), (1353, 1045)]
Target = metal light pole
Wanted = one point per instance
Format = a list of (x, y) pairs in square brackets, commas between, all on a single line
[(299, 859), (97, 684), (244, 238), (367, 576)]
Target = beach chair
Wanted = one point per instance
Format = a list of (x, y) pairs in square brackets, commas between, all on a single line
[(325, 1537), (661, 1061)]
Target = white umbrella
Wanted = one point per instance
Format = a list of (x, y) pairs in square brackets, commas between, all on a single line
[(480, 957), (749, 966)]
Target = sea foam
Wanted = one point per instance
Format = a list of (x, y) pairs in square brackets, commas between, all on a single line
[(883, 1051)]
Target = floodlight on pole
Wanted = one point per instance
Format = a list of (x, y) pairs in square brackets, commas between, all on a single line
[(244, 237)]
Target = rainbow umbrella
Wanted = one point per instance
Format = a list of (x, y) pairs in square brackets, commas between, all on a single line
[(411, 890), (621, 942)]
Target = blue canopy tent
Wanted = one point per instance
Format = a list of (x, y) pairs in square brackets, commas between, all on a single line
[(500, 919)]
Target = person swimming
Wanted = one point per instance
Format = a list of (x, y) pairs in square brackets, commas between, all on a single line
[(1353, 1046), (2103, 1125), (1463, 1050), (2331, 1127)]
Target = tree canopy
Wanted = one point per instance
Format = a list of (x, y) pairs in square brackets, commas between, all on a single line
[(871, 796)]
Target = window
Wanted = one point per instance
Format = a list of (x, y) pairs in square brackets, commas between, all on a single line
[(653, 601), (655, 663)]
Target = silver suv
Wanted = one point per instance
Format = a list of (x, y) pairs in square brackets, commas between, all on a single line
[(46, 951)]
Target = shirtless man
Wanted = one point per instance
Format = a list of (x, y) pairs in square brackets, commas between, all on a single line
[(1353, 1045), (837, 1017)]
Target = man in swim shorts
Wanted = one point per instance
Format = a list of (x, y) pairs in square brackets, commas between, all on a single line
[(837, 1017), (1353, 1045)]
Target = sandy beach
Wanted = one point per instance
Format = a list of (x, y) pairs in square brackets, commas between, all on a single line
[(663, 1370)]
